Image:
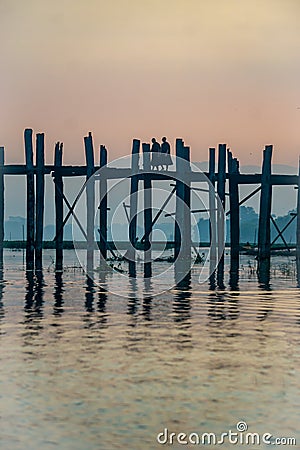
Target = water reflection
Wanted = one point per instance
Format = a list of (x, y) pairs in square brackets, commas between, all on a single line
[(132, 307), (298, 310), (147, 299), (102, 292), (58, 294), (89, 294), (298, 270), (223, 306), (266, 305), (34, 294), (182, 312), (233, 306), (95, 321), (29, 290), (216, 306), (34, 305)]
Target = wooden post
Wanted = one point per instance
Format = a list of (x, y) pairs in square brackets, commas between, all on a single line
[(30, 199), (133, 206), (90, 200), (40, 191), (179, 199), (59, 189), (1, 205), (298, 229), (187, 241), (147, 211), (233, 170), (212, 215), (103, 205), (221, 194), (222, 173), (264, 243), (182, 251)]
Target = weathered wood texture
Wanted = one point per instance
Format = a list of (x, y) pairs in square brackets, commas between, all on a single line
[(133, 206), (40, 198), (221, 225), (147, 210), (212, 215), (30, 208), (264, 244), (103, 205), (233, 170), (90, 200), (183, 202), (59, 206)]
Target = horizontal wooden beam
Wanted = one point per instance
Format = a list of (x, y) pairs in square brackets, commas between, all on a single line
[(118, 173)]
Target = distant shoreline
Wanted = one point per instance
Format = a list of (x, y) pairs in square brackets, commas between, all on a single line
[(278, 249)]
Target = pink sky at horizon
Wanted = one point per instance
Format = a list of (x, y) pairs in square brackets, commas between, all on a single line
[(208, 71)]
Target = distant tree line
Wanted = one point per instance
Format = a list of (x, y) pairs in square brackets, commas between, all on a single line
[(15, 229), (249, 227)]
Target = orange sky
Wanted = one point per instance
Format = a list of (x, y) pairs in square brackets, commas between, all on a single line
[(206, 70)]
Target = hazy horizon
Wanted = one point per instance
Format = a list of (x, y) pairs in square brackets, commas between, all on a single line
[(284, 197)]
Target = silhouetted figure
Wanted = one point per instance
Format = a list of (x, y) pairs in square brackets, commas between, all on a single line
[(165, 153), (156, 154)]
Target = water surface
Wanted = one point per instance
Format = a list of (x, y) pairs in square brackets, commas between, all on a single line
[(85, 369)]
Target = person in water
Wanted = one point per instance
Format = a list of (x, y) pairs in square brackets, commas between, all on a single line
[(166, 153), (156, 154)]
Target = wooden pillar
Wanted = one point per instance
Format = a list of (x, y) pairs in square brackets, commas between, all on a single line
[(233, 170), (212, 215), (212, 197), (30, 199), (59, 207), (103, 205), (298, 230), (147, 211), (133, 206), (187, 241), (1, 205), (179, 214), (177, 234), (221, 227), (222, 173), (264, 243), (40, 192), (90, 200), (182, 252)]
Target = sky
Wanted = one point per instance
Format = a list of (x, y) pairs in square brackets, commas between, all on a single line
[(208, 71)]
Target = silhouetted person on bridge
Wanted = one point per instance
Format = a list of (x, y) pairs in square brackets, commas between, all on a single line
[(165, 153), (156, 154)]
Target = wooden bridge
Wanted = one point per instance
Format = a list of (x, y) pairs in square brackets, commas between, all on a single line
[(227, 174)]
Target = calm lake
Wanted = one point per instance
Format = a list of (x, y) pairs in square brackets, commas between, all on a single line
[(83, 369)]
